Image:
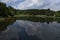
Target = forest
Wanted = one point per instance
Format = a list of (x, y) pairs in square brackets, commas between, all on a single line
[(8, 11)]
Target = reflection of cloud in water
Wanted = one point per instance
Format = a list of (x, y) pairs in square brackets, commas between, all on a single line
[(22, 28), (42, 30)]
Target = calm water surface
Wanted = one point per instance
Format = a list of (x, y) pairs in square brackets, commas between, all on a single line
[(29, 30)]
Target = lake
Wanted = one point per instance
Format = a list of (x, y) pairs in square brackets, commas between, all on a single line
[(29, 29)]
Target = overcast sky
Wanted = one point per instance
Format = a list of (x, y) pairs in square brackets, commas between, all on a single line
[(33, 4)]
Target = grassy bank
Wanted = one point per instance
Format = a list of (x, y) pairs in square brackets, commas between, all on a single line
[(1, 18), (23, 16), (5, 18), (42, 16)]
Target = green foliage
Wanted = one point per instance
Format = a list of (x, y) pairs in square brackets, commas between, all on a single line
[(57, 14), (6, 11), (3, 10)]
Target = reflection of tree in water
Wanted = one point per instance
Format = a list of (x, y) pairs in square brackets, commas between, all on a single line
[(5, 23), (40, 19)]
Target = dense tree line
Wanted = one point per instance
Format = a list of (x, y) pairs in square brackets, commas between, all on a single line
[(47, 12), (6, 11), (10, 11)]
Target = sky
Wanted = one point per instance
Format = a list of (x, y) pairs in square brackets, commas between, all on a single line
[(33, 4)]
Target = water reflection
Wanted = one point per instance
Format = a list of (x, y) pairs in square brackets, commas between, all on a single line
[(5, 23), (28, 30), (39, 19)]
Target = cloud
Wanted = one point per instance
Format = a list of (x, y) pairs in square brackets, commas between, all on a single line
[(29, 4), (34, 4), (8, 1), (5, 1), (40, 4)]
